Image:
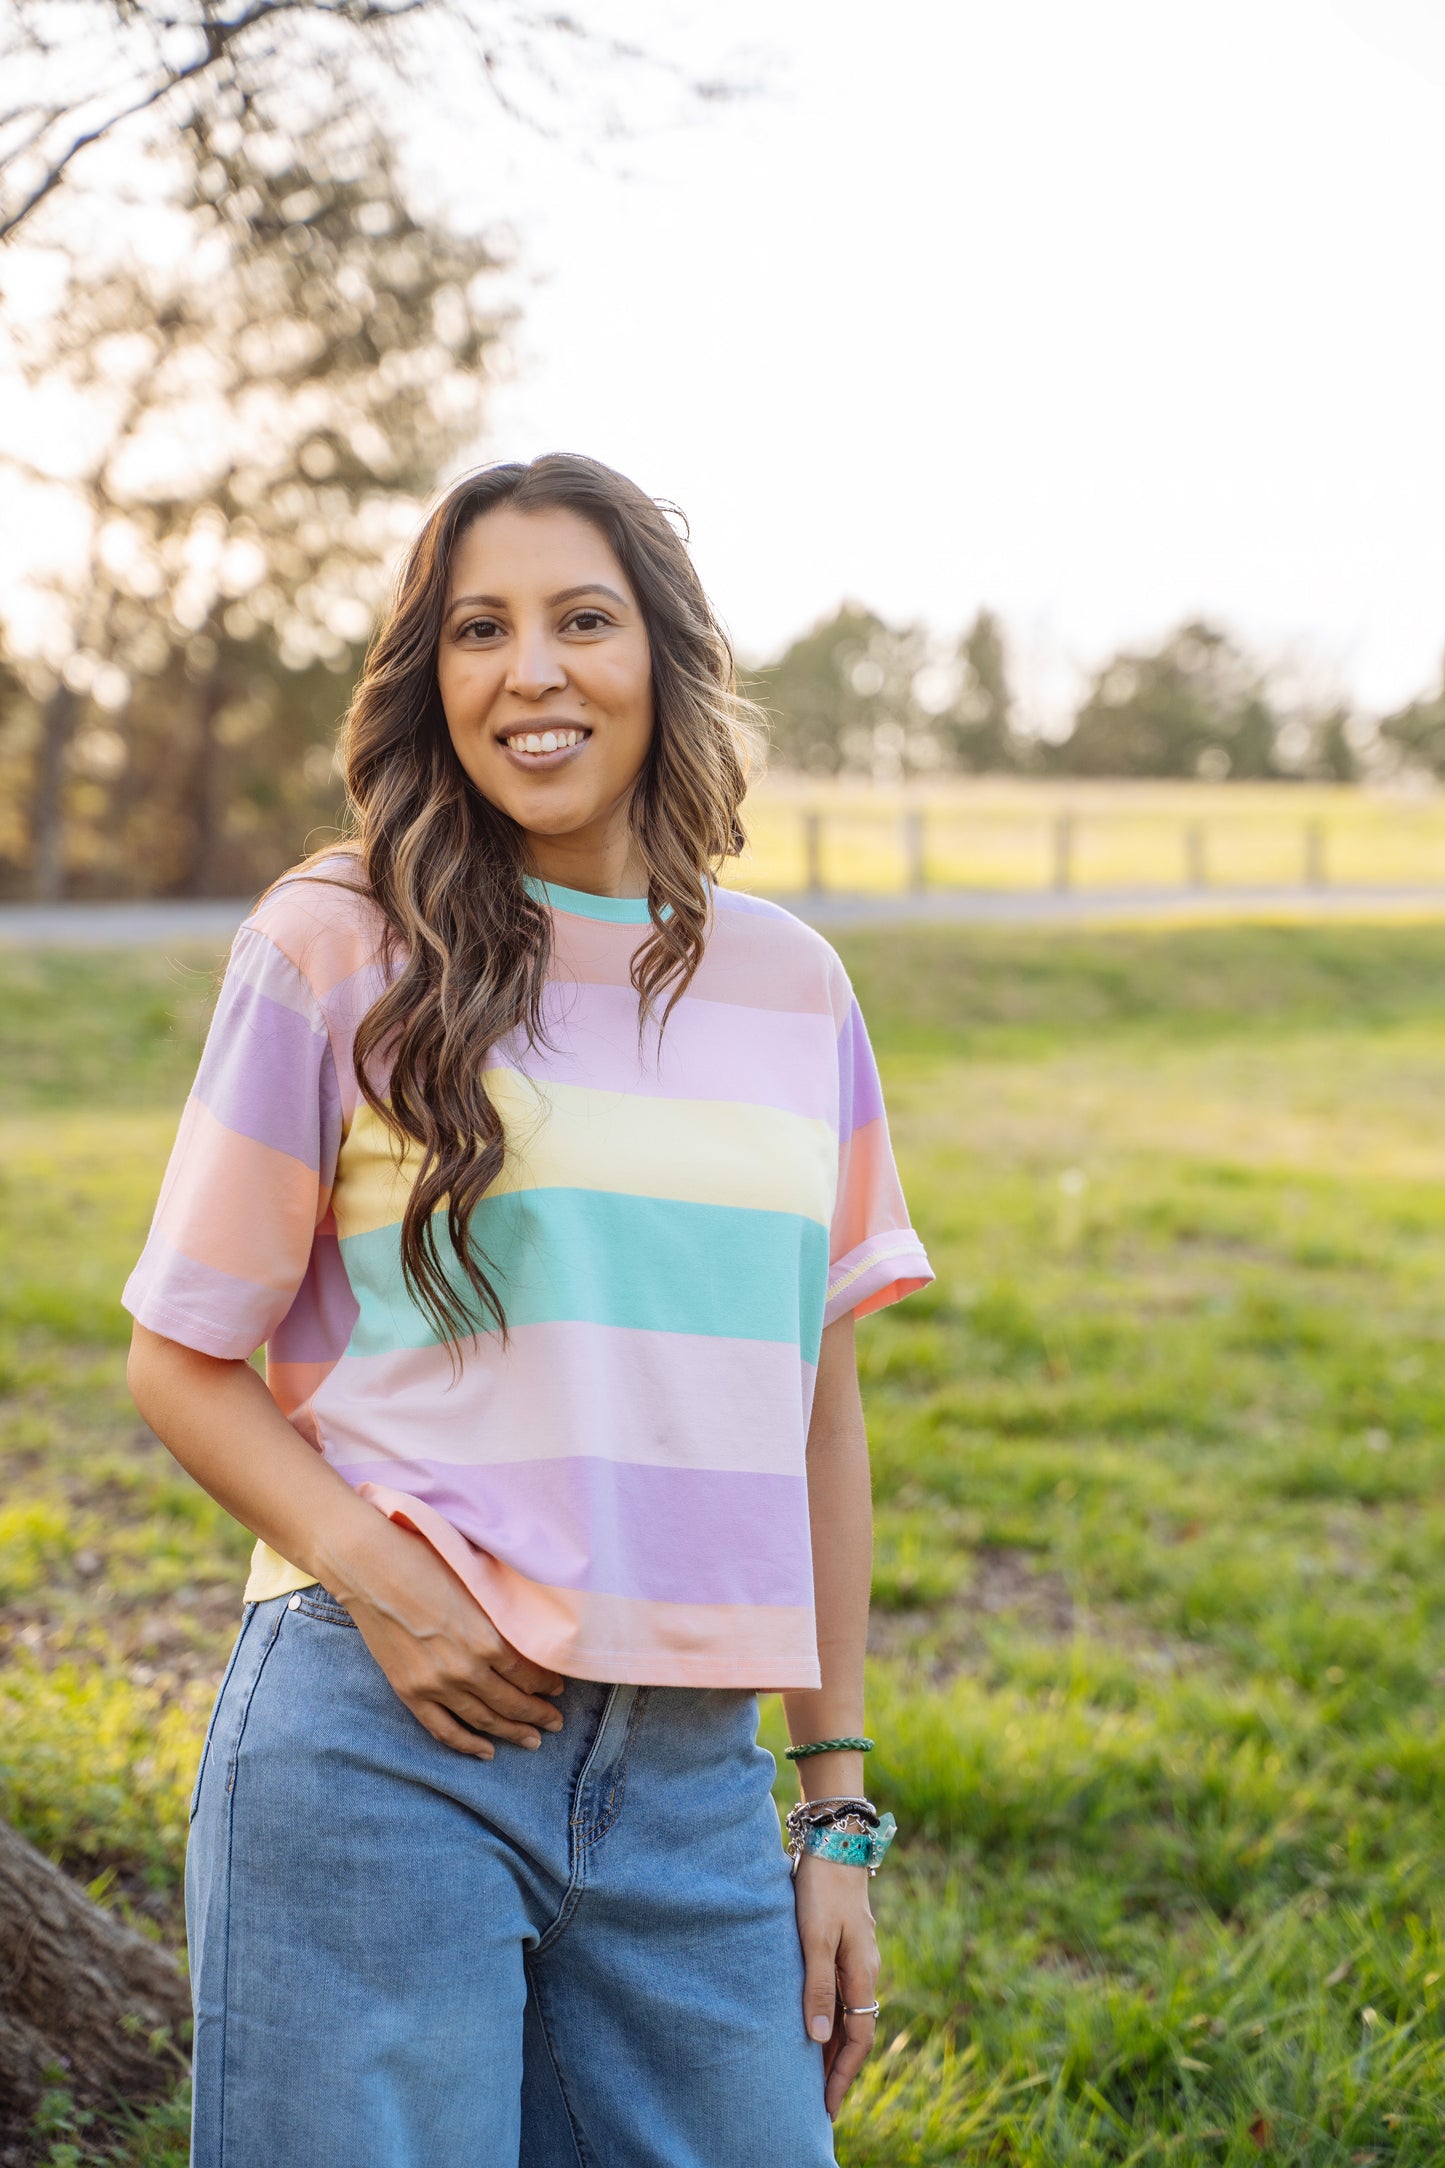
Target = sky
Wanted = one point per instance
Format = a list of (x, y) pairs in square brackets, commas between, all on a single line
[(1102, 316)]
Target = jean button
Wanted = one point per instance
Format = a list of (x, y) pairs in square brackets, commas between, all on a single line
[(294, 1604)]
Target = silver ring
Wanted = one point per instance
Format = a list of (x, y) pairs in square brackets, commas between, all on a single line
[(864, 2009)]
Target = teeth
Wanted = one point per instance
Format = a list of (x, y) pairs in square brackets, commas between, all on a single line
[(545, 741)]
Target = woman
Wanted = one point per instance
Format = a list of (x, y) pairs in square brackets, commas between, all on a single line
[(552, 1177)]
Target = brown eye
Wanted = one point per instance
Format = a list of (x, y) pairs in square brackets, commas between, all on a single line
[(589, 620), (481, 626)]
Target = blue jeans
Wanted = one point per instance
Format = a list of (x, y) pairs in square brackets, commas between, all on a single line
[(582, 1957)]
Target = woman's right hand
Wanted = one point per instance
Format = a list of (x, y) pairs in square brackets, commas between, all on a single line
[(440, 1651)]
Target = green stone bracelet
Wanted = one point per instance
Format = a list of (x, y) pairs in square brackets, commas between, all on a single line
[(828, 1746)]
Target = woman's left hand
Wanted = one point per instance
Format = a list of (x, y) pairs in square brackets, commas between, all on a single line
[(840, 1966)]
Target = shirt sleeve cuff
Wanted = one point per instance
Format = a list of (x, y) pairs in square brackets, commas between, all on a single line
[(881, 1270)]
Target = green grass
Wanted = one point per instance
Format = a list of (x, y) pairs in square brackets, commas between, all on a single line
[(1160, 1472)]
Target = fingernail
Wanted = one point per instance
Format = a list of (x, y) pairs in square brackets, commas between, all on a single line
[(554, 1723), (821, 2028), (532, 1740)]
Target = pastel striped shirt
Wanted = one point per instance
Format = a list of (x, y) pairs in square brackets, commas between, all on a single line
[(622, 1485)]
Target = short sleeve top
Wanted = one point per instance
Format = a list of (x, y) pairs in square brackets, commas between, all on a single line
[(622, 1483)]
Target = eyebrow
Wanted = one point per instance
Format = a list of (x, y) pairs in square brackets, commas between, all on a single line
[(566, 594)]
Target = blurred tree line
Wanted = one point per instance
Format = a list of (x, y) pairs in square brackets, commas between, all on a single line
[(857, 696), (266, 356)]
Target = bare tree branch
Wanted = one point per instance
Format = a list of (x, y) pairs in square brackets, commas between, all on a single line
[(93, 69)]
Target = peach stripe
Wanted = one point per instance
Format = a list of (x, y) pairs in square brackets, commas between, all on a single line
[(869, 1199), (237, 1205)]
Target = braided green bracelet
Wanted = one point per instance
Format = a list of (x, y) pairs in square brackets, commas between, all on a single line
[(828, 1746)]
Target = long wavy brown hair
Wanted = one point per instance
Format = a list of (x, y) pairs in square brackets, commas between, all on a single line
[(468, 945)]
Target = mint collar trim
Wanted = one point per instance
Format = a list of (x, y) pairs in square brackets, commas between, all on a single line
[(611, 910)]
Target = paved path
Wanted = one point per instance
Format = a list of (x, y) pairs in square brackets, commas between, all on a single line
[(211, 925)]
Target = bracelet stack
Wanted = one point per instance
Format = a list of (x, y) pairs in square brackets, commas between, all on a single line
[(850, 1832)]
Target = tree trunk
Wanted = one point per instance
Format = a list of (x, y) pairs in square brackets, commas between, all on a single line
[(80, 1989), (47, 802), (206, 796)]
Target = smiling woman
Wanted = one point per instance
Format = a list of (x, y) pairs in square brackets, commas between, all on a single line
[(553, 1176), (532, 673)]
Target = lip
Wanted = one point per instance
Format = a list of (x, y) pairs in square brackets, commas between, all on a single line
[(544, 763)]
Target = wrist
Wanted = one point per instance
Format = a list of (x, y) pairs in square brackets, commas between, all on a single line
[(833, 1776), (355, 1556)]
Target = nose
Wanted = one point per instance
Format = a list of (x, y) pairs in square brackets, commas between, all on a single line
[(537, 666)]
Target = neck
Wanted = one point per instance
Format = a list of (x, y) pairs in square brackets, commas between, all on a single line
[(608, 864)]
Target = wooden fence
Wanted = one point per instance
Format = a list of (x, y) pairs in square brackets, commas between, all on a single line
[(853, 846)]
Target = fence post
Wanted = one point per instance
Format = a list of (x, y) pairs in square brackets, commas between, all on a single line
[(1196, 872), (1316, 870), (915, 868), (1063, 852), (813, 851)]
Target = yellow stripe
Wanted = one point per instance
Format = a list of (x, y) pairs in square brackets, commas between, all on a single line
[(569, 1136)]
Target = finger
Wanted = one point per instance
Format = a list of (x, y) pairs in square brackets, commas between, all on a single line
[(820, 1989), (498, 1698), (532, 1678), (499, 1693), (478, 1715), (848, 2061), (444, 1727)]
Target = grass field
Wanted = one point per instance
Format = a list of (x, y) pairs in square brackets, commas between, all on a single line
[(1159, 1671), (999, 833)]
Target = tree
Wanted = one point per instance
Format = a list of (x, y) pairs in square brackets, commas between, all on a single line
[(79, 1991), (1413, 737), (317, 353), (1196, 706), (976, 727), (842, 698), (81, 74)]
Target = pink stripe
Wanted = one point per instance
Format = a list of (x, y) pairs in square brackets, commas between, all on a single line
[(329, 929), (664, 1398), (786, 968)]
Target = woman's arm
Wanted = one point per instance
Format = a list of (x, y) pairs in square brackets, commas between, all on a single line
[(835, 1922), (436, 1645)]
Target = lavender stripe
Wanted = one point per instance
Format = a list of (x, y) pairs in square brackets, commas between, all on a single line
[(710, 1050), (197, 1304), (860, 1095), (344, 1007), (318, 1326), (267, 1074), (666, 1535)]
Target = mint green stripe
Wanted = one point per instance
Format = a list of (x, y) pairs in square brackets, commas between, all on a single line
[(647, 1263)]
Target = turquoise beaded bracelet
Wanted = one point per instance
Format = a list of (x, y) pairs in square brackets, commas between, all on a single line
[(828, 1746), (814, 1826), (851, 1847)]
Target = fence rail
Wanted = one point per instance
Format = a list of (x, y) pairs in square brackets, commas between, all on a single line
[(854, 848)]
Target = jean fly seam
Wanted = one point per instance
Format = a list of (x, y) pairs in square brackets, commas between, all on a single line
[(611, 1805), (577, 1843)]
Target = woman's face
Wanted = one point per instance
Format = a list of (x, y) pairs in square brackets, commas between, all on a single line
[(545, 673)]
